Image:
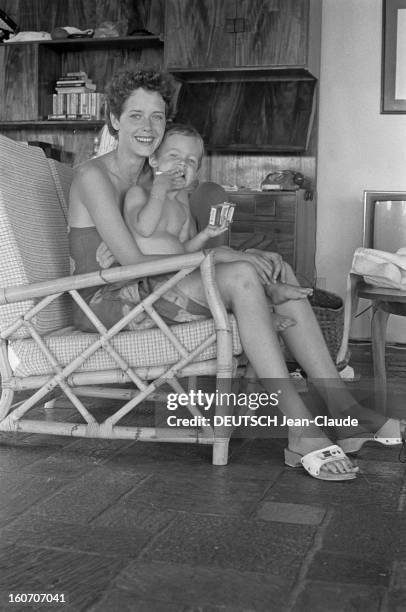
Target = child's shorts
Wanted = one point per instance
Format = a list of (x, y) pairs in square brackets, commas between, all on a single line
[(111, 302)]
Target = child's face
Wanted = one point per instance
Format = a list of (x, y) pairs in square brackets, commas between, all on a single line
[(179, 151)]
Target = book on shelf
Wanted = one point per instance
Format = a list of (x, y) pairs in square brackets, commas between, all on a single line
[(74, 117), (74, 77), (74, 82), (74, 90), (77, 103), (70, 84), (56, 117), (70, 117), (80, 74)]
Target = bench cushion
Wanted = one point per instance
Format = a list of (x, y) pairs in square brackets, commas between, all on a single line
[(144, 348)]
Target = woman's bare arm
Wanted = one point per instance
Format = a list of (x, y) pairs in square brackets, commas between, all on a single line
[(93, 189)]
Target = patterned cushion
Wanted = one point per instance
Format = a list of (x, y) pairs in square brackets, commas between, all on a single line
[(146, 348), (33, 236)]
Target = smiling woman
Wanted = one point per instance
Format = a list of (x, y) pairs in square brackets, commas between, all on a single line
[(138, 104)]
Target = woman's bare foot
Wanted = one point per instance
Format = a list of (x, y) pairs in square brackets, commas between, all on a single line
[(281, 322), (302, 445), (283, 292)]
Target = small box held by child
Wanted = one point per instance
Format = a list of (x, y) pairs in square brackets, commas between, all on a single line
[(221, 213)]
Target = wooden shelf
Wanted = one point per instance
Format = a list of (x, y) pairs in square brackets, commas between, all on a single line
[(43, 123), (247, 148), (89, 44), (213, 75)]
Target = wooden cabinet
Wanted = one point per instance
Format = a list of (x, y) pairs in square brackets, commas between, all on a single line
[(250, 116), (202, 34), (195, 34), (283, 33), (248, 70), (284, 217)]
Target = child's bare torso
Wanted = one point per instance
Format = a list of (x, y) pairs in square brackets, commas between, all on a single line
[(171, 231)]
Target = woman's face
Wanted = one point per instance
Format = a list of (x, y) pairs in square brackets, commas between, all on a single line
[(142, 122)]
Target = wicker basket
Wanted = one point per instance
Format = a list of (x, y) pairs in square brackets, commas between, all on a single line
[(329, 311)]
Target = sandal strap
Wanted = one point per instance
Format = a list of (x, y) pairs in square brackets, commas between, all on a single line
[(312, 462)]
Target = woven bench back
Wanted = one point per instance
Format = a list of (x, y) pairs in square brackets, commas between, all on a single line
[(33, 229)]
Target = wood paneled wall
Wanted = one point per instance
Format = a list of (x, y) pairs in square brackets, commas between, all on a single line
[(196, 33), (44, 15), (19, 81)]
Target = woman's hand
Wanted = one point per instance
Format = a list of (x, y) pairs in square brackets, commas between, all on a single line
[(263, 266), (269, 266), (279, 268)]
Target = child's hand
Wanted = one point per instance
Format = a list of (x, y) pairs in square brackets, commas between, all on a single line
[(169, 178), (211, 231)]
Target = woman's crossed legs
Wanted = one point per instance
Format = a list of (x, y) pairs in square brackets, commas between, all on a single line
[(244, 295)]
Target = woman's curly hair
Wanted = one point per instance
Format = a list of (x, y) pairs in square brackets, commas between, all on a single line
[(126, 81)]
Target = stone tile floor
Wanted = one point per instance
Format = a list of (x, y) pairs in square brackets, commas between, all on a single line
[(143, 527)]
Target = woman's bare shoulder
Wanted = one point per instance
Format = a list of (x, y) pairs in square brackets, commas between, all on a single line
[(93, 169), (92, 189)]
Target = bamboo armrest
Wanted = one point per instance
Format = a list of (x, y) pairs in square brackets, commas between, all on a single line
[(94, 279)]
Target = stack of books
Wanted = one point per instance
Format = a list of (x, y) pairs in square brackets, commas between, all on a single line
[(76, 98), (75, 82)]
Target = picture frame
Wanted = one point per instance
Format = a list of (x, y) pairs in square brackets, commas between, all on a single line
[(393, 89)]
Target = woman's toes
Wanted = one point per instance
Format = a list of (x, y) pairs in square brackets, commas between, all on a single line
[(347, 466), (350, 467), (331, 467), (340, 467)]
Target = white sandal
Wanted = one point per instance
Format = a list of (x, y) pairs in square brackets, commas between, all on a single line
[(312, 462), (353, 445)]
